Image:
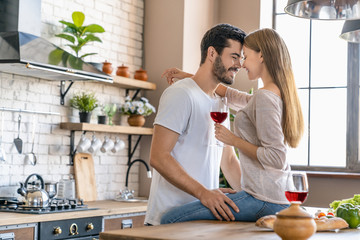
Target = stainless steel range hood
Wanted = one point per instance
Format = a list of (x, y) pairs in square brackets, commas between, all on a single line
[(24, 52)]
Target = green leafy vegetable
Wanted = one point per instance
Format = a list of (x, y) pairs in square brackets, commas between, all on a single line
[(355, 201)]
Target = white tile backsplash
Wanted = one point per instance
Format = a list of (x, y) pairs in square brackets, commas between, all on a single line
[(122, 44)]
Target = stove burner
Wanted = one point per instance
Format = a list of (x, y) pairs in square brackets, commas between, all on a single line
[(56, 205), (12, 206)]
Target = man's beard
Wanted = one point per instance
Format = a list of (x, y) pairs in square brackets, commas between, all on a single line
[(220, 71)]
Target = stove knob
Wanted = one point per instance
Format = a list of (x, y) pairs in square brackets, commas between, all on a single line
[(57, 230), (89, 227)]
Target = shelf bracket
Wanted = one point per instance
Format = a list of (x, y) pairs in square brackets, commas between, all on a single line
[(134, 96), (72, 147), (132, 151), (64, 91)]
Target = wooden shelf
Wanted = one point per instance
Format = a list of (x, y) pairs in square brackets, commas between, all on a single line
[(130, 83), (106, 128)]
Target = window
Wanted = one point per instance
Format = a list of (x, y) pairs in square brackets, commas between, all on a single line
[(328, 86)]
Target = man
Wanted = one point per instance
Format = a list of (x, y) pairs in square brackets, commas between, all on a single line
[(186, 166)]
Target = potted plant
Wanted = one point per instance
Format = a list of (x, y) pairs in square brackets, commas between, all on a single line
[(137, 110), (102, 115), (78, 35), (85, 103), (110, 110)]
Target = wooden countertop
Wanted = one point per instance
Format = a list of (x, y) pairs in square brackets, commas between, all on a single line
[(214, 230), (106, 208)]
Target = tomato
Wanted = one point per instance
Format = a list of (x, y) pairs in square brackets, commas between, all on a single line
[(331, 214), (321, 215)]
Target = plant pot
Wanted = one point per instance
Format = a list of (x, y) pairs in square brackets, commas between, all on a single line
[(101, 119), (136, 120), (85, 117)]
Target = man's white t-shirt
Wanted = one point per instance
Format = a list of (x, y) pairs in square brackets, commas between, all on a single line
[(185, 109)]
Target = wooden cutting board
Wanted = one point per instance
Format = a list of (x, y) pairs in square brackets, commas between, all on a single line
[(85, 177)]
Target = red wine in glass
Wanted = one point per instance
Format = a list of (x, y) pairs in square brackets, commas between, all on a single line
[(218, 113), (218, 117), (298, 197), (297, 187)]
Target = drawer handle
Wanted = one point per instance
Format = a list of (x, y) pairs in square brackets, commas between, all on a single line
[(74, 229), (7, 236), (126, 223)]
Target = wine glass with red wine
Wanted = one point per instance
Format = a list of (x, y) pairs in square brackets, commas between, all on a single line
[(219, 112), (297, 187)]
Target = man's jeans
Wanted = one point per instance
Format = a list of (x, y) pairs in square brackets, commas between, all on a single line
[(250, 208)]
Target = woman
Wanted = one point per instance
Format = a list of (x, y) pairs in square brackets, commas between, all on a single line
[(263, 126)]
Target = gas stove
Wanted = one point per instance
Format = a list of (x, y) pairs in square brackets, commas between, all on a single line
[(56, 205)]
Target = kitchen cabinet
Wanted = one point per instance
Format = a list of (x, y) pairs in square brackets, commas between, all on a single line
[(26, 226), (19, 231), (123, 221), (122, 82)]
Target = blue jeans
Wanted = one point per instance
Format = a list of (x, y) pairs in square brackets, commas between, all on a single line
[(250, 208)]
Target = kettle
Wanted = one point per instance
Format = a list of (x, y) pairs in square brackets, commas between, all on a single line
[(34, 197)]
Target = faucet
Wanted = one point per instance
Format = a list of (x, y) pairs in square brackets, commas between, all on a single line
[(129, 194)]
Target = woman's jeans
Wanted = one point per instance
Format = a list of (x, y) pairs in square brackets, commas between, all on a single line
[(250, 208)]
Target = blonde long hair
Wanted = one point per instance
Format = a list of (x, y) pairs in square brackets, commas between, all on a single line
[(278, 63)]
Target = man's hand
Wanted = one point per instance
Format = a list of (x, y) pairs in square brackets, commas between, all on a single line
[(218, 203)]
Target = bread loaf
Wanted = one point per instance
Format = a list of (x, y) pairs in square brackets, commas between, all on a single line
[(322, 224), (326, 224), (266, 221)]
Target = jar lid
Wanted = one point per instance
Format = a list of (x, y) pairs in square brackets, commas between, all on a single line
[(140, 70), (294, 211)]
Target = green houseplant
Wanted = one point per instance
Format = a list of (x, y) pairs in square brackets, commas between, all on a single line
[(78, 35), (110, 110), (85, 103)]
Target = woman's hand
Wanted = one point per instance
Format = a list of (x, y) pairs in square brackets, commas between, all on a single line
[(172, 73), (224, 135)]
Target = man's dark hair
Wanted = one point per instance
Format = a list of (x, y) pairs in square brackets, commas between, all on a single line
[(218, 36)]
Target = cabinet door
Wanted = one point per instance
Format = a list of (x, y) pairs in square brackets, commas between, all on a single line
[(130, 221), (21, 233)]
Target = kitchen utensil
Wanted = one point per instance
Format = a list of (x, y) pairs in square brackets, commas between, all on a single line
[(119, 145), (107, 68), (95, 144), (17, 141), (31, 157), (51, 189), (66, 188), (2, 151), (294, 223), (34, 197), (85, 177), (84, 144), (141, 74), (123, 71), (107, 145)]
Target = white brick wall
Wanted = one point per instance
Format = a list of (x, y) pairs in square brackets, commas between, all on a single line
[(122, 44)]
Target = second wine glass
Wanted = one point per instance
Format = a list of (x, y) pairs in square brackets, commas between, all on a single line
[(297, 188), (219, 112)]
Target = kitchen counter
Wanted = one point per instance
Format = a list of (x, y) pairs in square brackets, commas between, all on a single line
[(208, 230), (106, 208)]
